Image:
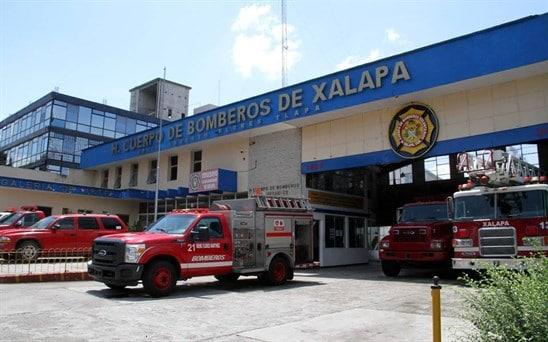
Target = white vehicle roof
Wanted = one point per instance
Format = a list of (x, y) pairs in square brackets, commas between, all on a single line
[(483, 190)]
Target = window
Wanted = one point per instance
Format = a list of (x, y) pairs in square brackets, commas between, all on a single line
[(334, 231), (152, 172), (111, 223), (134, 175), (526, 152), (30, 219), (173, 161), (118, 178), (474, 207), (196, 161), (436, 168), (87, 223), (104, 182), (84, 116), (520, 204), (356, 232), (403, 175), (66, 224), (213, 225)]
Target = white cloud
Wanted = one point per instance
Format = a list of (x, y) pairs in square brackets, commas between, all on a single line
[(351, 61), (257, 45), (392, 35)]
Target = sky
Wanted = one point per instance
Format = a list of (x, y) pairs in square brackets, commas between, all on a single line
[(225, 50)]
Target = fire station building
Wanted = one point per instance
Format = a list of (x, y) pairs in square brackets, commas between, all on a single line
[(359, 143)]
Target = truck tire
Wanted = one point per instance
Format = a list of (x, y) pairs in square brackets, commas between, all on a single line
[(28, 251), (390, 268), (115, 286), (159, 278), (278, 271), (227, 278)]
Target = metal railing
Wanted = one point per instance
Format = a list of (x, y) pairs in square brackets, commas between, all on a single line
[(51, 261)]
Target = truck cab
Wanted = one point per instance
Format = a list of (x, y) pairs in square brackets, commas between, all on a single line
[(421, 237), (20, 218), (250, 237)]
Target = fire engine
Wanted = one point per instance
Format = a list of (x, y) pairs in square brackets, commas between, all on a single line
[(24, 217), (422, 237), (500, 214), (233, 238)]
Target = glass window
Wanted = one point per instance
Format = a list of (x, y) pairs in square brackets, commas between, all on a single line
[(526, 152), (97, 120), (104, 182), (110, 124), (134, 174), (214, 226), (111, 223), (85, 115), (151, 179), (474, 207), (196, 161), (71, 125), (173, 163), (66, 223), (118, 178), (87, 223), (68, 144), (83, 128), (59, 112), (424, 212), (121, 124), (334, 231), (131, 126), (172, 224), (110, 115), (108, 134), (436, 168), (72, 113), (96, 131), (403, 175), (520, 204), (356, 232)]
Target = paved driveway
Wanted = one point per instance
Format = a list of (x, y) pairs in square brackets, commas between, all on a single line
[(355, 303)]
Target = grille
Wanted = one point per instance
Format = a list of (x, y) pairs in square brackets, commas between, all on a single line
[(410, 235), (497, 241), (113, 255)]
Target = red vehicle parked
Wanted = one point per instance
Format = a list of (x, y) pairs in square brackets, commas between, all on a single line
[(422, 237), (20, 218), (76, 231)]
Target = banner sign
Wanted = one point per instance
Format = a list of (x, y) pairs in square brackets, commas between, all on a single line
[(204, 181)]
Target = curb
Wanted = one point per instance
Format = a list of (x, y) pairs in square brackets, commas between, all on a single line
[(34, 278)]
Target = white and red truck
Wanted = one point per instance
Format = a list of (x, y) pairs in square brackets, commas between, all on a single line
[(501, 213), (241, 237)]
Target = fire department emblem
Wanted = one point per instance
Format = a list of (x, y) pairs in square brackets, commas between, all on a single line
[(413, 131), (195, 182)]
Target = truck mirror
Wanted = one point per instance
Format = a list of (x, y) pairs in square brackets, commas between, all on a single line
[(449, 201), (56, 226), (19, 223), (203, 233)]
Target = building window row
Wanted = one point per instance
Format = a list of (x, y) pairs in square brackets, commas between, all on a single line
[(28, 152), (25, 125), (338, 227), (68, 148)]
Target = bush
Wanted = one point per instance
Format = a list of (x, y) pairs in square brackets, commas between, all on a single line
[(509, 305)]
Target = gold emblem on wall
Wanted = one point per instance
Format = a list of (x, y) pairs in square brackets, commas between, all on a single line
[(413, 130)]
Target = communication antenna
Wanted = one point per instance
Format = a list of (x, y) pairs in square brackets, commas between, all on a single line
[(104, 100), (284, 44), (56, 89)]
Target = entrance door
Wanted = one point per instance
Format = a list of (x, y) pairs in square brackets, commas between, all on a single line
[(316, 240), (304, 252)]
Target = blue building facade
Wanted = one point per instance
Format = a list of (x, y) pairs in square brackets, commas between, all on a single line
[(50, 133)]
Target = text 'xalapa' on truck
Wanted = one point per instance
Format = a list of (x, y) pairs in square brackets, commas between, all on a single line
[(422, 237), (233, 238), (501, 213)]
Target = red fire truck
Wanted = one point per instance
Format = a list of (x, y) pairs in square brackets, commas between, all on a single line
[(20, 218), (422, 237), (501, 213), (247, 237)]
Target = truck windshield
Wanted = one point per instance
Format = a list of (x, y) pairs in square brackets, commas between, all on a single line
[(521, 204), (172, 224), (10, 219), (43, 223), (475, 207), (427, 212)]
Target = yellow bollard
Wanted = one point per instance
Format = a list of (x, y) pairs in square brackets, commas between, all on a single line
[(436, 310)]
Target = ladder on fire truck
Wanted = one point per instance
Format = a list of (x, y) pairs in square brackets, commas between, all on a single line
[(286, 203), (496, 168)]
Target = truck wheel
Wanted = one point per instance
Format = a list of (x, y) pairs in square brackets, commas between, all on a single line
[(159, 278), (390, 268), (28, 251), (227, 278), (115, 286), (278, 272)]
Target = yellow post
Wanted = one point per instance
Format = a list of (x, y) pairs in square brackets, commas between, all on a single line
[(436, 310)]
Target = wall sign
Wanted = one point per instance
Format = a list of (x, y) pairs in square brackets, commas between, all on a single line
[(204, 181), (413, 131)]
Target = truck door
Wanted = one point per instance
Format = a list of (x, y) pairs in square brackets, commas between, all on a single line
[(212, 256), (280, 234), (63, 236), (88, 230)]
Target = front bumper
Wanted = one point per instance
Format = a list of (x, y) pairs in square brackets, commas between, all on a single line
[(483, 263), (123, 274), (415, 257)]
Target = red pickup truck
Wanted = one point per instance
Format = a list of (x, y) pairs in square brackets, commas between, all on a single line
[(20, 218), (75, 231)]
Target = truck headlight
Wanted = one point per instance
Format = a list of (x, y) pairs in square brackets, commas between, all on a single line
[(436, 244), (4, 239), (385, 244), (134, 252), (462, 242)]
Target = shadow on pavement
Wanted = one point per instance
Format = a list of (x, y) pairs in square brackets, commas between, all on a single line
[(202, 290)]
